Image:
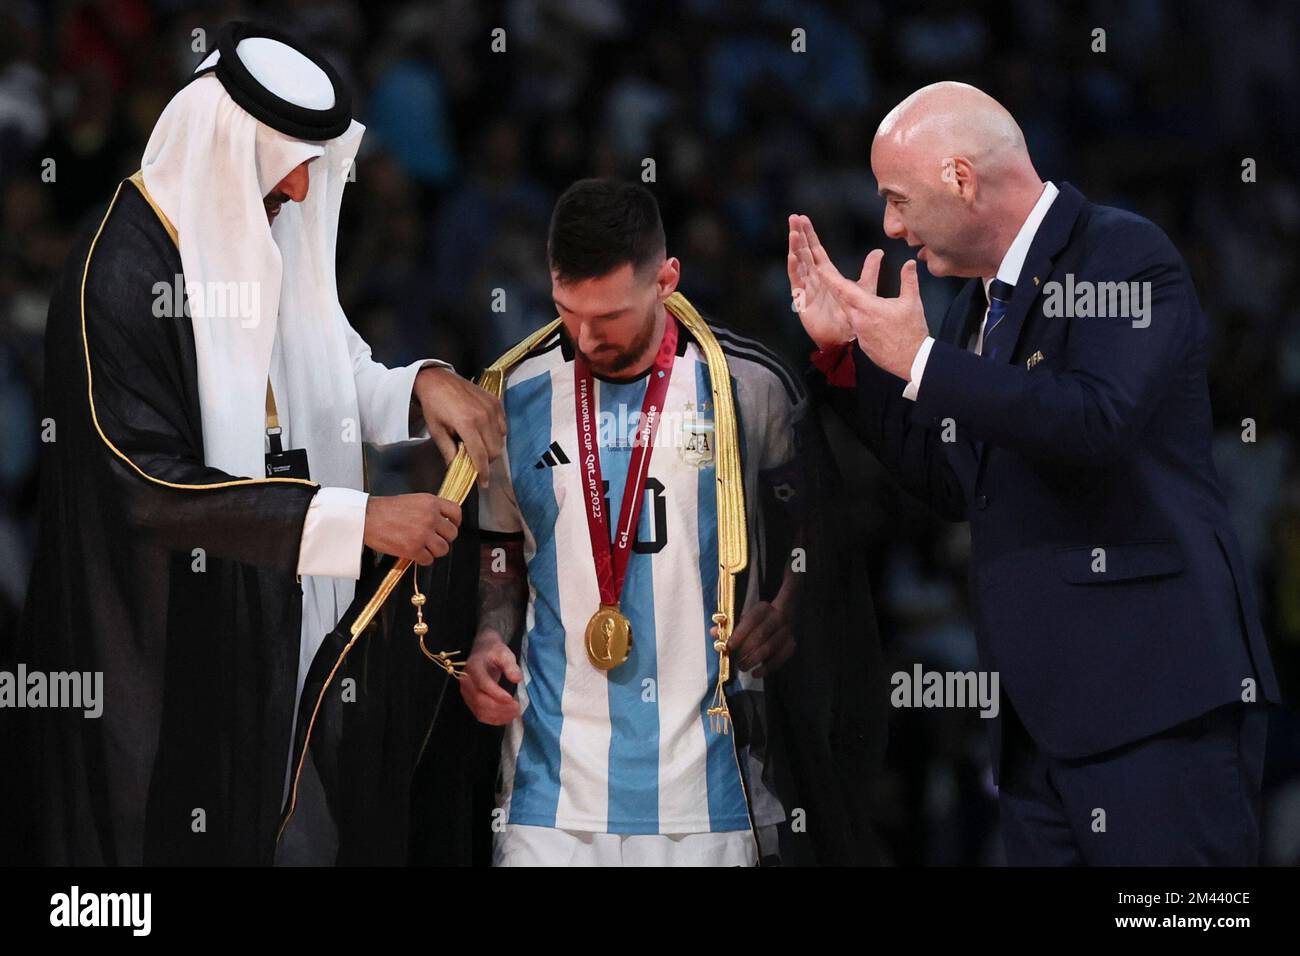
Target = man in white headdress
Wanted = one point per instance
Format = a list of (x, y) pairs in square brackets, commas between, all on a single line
[(203, 514)]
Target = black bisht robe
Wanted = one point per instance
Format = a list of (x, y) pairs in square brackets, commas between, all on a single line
[(826, 711), (178, 582)]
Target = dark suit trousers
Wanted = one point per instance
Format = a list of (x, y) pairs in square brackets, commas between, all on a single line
[(1188, 796)]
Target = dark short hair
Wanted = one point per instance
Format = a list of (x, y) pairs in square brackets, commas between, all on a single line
[(599, 224)]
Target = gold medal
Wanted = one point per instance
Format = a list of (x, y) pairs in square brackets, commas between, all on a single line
[(609, 638)]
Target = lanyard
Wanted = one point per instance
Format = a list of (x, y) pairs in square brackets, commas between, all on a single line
[(612, 560), (272, 420)]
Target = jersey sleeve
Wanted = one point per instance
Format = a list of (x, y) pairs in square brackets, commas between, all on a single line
[(770, 416), (773, 409), (498, 511)]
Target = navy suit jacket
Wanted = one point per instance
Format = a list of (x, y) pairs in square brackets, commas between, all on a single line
[(1103, 442)]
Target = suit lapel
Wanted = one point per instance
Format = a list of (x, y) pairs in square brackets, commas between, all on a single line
[(967, 309), (971, 315), (1053, 233), (1052, 236), (960, 322)]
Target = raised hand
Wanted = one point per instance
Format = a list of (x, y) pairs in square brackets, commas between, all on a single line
[(823, 319), (889, 331)]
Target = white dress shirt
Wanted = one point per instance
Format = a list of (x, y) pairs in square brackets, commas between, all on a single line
[(1008, 272)]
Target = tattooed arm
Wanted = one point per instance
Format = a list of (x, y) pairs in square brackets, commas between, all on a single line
[(503, 601), (502, 588)]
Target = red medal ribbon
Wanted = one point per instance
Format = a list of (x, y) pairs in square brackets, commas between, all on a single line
[(611, 560)]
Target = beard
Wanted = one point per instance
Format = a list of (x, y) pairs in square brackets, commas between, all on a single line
[(272, 203), (611, 361)]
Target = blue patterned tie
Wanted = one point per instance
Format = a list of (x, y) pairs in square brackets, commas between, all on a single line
[(999, 298)]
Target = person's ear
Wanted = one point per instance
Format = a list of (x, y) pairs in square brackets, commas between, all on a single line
[(669, 275), (958, 175)]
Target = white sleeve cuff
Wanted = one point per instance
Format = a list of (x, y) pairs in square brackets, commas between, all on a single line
[(913, 387), (333, 534)]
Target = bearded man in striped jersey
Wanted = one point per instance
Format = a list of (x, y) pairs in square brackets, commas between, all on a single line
[(643, 726)]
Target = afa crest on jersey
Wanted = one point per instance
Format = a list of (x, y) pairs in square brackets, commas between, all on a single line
[(696, 444)]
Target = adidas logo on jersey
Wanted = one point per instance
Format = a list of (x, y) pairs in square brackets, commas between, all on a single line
[(553, 456)]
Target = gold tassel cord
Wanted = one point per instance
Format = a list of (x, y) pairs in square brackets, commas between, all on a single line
[(444, 659)]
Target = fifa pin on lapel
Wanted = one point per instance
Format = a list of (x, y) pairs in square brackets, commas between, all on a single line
[(1033, 360)]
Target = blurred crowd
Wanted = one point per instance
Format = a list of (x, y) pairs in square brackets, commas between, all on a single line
[(473, 133)]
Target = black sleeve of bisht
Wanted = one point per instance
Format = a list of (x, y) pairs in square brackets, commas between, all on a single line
[(142, 394)]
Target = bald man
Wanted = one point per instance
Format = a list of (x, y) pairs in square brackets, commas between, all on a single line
[(1062, 409)]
